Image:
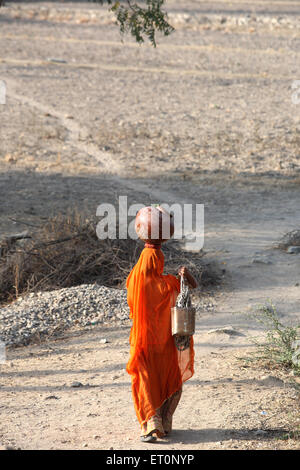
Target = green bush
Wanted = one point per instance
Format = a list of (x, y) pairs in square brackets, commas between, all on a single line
[(280, 338), (140, 21)]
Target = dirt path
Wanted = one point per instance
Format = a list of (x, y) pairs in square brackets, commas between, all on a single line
[(207, 118), (227, 404)]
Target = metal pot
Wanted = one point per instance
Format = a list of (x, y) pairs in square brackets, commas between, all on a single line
[(154, 224), (183, 321)]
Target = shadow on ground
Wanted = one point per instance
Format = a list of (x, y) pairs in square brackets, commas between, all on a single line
[(194, 436)]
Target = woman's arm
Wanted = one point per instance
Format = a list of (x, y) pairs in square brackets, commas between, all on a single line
[(183, 271)]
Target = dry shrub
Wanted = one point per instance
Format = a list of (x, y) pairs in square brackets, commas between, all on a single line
[(66, 252)]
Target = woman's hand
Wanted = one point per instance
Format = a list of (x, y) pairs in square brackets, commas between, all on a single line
[(183, 271)]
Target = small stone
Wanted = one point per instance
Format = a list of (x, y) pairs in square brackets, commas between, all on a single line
[(59, 61), (296, 353), (271, 381), (260, 432), (76, 384), (293, 250), (261, 261), (228, 330)]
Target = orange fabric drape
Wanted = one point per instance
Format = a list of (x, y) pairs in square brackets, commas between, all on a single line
[(157, 369)]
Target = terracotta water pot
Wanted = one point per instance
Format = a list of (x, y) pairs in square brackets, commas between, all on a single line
[(154, 224)]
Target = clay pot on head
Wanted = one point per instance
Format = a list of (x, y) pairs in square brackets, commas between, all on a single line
[(154, 225)]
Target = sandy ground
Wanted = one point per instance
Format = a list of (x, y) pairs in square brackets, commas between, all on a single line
[(206, 118), (226, 405)]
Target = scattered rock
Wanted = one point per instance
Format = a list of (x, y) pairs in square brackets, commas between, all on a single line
[(293, 250), (76, 384), (39, 315), (271, 381), (260, 432), (227, 330), (196, 20), (42, 314), (261, 261), (289, 239), (103, 341), (59, 61)]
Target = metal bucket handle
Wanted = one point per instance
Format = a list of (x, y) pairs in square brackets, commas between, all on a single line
[(184, 289)]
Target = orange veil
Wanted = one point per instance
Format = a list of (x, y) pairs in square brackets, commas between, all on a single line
[(156, 367)]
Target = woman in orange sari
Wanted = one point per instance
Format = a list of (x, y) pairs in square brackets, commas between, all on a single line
[(157, 368)]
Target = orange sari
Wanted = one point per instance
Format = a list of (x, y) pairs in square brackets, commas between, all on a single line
[(157, 368)]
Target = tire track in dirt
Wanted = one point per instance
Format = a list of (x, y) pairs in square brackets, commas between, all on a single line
[(218, 239), (75, 130), (180, 47), (151, 70), (109, 164)]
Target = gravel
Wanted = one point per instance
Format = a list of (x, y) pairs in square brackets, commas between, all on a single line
[(47, 313), (41, 315), (293, 249)]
